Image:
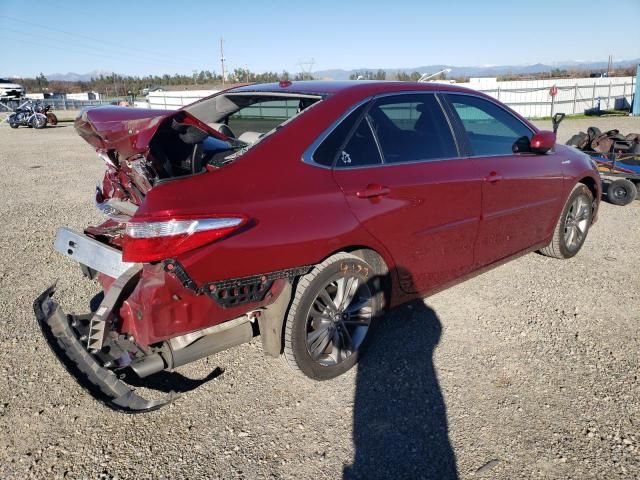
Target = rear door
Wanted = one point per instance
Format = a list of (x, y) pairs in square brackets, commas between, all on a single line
[(403, 179), (521, 192)]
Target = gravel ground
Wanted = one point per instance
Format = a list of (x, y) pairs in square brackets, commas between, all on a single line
[(528, 371)]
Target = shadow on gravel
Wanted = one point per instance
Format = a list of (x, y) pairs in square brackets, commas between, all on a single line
[(170, 381), (400, 422)]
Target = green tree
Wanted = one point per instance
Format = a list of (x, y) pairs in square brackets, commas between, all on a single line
[(42, 82)]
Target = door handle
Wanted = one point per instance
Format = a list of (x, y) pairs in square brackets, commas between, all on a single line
[(493, 177), (373, 190)]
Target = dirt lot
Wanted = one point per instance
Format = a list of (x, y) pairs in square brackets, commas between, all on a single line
[(528, 371)]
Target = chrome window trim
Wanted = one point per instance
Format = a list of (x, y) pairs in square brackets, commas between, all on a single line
[(307, 156)]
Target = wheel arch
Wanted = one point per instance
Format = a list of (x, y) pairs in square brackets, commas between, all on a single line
[(382, 266), (591, 185)]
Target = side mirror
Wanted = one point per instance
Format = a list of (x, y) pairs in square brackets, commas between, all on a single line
[(542, 141)]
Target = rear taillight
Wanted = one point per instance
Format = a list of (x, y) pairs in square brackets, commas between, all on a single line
[(150, 241)]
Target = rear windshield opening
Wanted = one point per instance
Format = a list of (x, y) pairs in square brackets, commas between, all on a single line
[(249, 116)]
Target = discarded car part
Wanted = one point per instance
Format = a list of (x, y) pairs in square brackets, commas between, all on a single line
[(617, 158), (101, 382), (91, 253), (621, 192), (203, 347)]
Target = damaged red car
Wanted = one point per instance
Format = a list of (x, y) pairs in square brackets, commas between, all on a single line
[(300, 212)]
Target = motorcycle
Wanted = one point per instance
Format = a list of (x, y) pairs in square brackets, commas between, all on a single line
[(28, 115), (46, 110)]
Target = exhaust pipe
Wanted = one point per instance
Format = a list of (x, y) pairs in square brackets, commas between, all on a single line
[(201, 348)]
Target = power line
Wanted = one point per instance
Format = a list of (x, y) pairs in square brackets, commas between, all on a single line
[(86, 37), (55, 47), (110, 53)]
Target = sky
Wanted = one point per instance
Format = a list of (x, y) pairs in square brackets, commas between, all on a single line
[(155, 37)]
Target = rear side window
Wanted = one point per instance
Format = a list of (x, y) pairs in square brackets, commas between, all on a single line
[(412, 128), (490, 129), (328, 150), (361, 149)]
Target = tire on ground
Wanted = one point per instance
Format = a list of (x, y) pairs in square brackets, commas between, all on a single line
[(558, 247), (621, 192), (295, 353), (39, 122)]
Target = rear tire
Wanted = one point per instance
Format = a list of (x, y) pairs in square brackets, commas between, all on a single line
[(331, 318), (621, 192), (52, 119), (573, 225)]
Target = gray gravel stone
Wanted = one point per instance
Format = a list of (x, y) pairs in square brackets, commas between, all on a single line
[(534, 363)]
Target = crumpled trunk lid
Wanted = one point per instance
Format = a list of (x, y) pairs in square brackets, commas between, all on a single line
[(125, 130), (141, 147)]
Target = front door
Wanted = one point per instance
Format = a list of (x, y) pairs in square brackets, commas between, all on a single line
[(521, 192)]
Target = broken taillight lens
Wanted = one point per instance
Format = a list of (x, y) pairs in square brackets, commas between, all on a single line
[(150, 241)]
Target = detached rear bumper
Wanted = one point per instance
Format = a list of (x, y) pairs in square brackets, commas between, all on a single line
[(100, 382)]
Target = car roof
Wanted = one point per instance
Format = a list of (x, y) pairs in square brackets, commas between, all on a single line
[(330, 87)]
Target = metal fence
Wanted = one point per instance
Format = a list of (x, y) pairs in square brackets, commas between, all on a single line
[(57, 103), (530, 98)]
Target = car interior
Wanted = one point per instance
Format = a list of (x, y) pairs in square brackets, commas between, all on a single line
[(248, 116)]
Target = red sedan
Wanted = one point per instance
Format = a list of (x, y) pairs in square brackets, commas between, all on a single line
[(301, 211)]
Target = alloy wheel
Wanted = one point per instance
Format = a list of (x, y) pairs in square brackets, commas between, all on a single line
[(577, 223), (338, 319)]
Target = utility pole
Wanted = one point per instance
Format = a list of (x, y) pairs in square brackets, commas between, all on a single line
[(609, 65), (222, 60), (306, 67)]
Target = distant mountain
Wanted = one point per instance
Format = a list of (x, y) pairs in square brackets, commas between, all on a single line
[(477, 71), (77, 77), (481, 71)]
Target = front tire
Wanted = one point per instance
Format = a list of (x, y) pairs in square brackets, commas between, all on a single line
[(39, 121), (332, 313), (573, 224)]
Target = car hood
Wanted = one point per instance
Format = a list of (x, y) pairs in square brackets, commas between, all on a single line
[(10, 85)]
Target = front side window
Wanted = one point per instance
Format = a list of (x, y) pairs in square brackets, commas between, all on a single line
[(412, 128), (490, 129)]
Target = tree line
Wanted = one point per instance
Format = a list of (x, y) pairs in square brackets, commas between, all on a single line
[(114, 85)]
